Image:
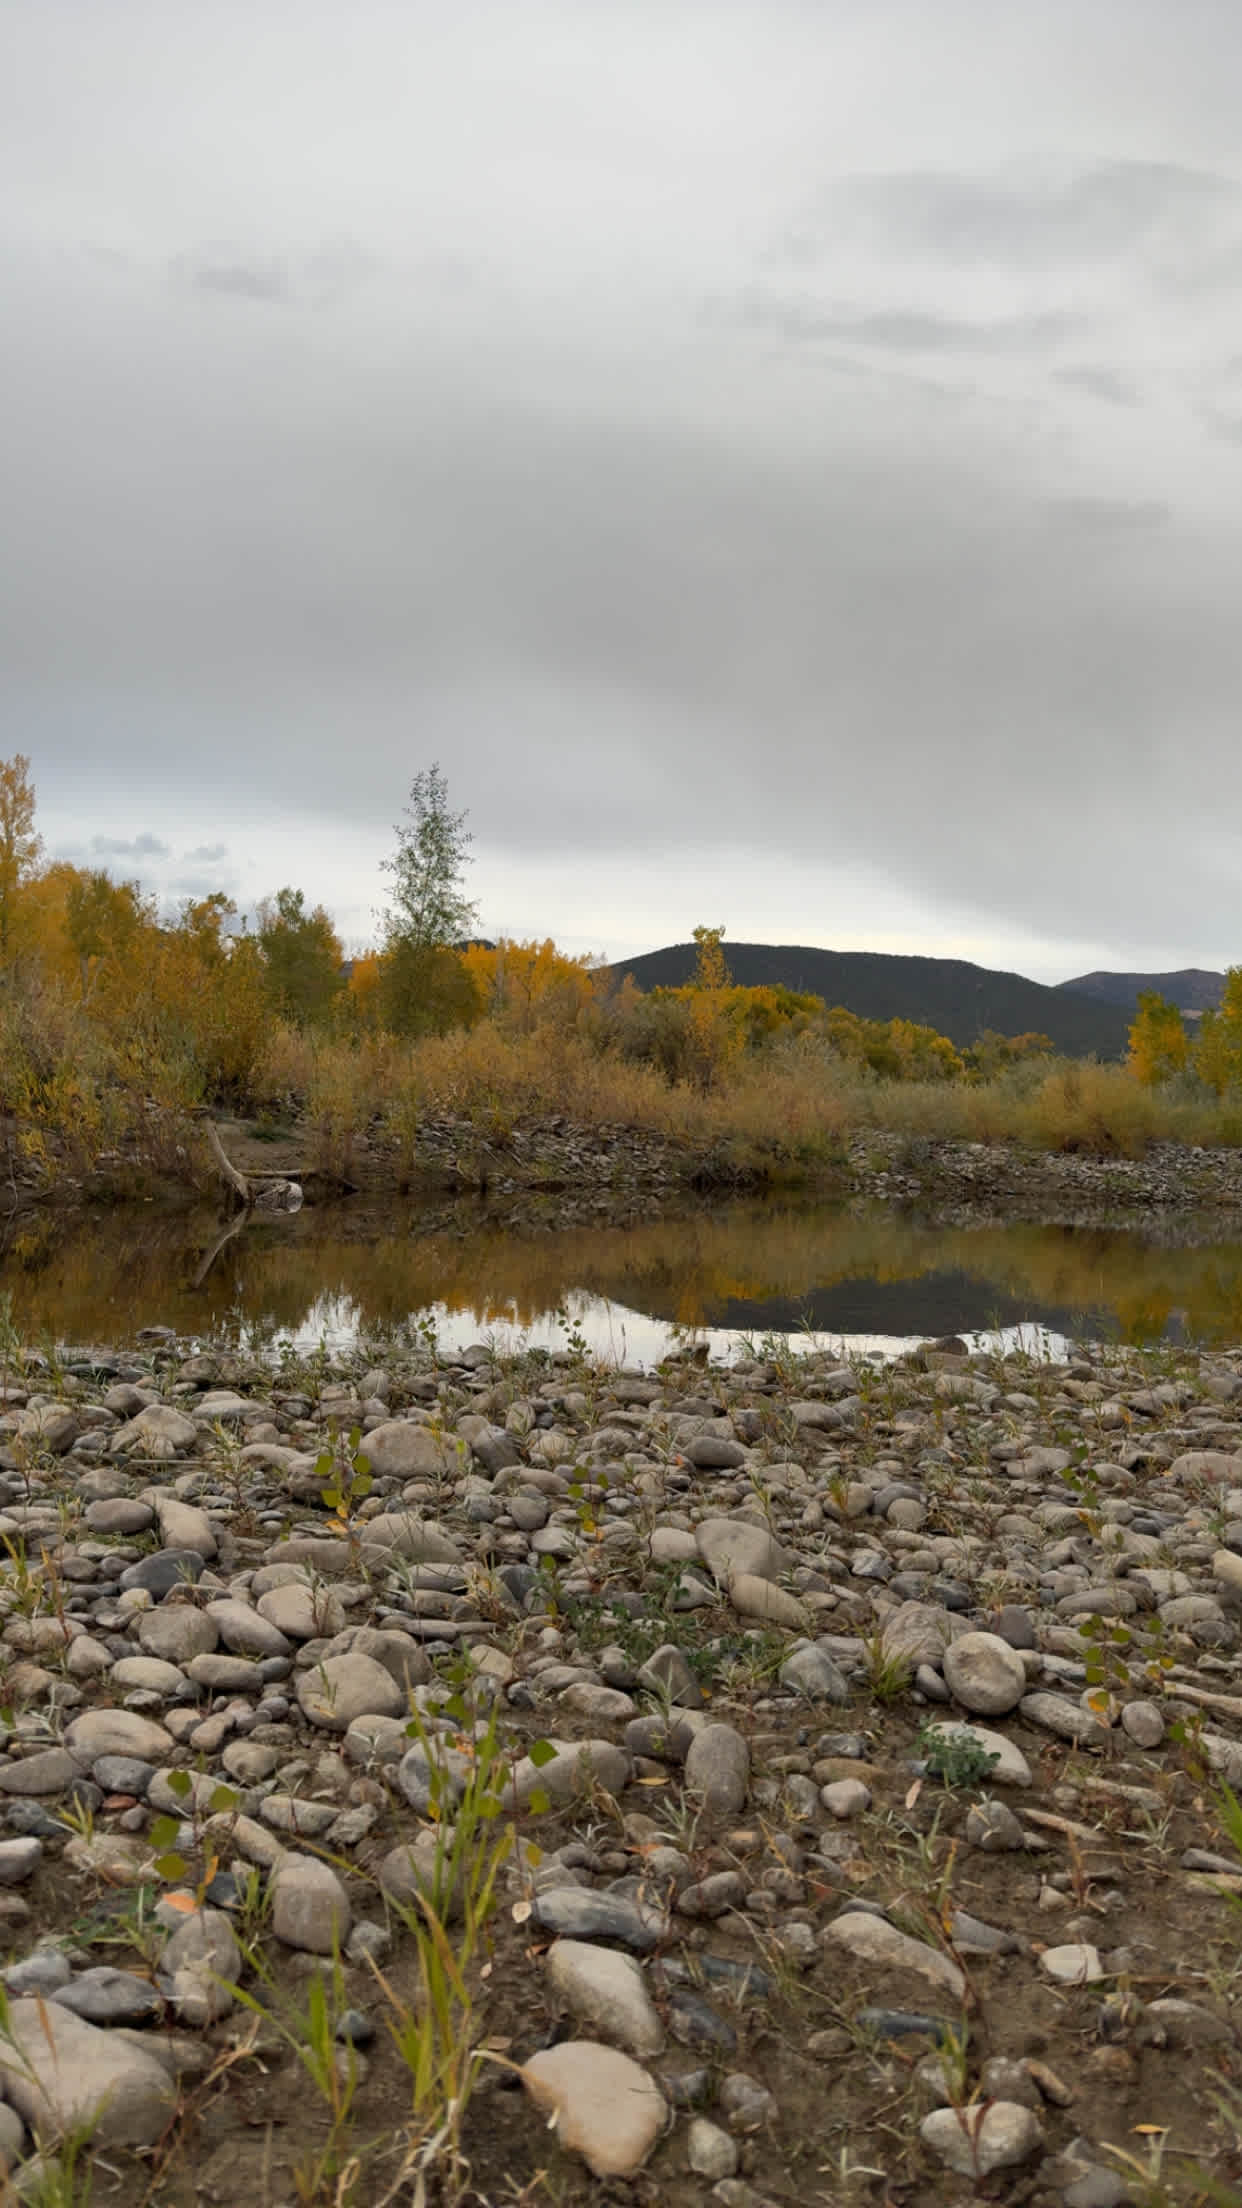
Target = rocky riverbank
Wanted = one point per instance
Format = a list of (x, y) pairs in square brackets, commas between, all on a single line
[(621, 1172), (846, 1744), (1010, 1180)]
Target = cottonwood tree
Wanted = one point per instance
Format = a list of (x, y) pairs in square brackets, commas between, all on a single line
[(710, 970), (103, 920), (19, 845), (302, 958), (425, 985), (1159, 1044)]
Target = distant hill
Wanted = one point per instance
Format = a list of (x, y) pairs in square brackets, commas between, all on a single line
[(1193, 989), (957, 999)]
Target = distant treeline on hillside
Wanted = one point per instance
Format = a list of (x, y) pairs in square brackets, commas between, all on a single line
[(957, 999)]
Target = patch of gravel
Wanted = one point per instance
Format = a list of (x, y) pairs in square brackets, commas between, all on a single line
[(863, 1732)]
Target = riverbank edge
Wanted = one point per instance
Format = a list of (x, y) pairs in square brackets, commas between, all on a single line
[(615, 1166)]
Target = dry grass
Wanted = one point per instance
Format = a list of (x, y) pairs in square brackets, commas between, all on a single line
[(787, 1108)]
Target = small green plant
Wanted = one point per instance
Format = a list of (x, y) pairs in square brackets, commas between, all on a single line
[(437, 2036), (576, 1340), (889, 1671), (1083, 1480), (165, 1833), (960, 1762), (346, 1471), (1120, 1657), (310, 2032)]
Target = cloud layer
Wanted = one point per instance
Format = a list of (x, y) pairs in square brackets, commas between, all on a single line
[(779, 458)]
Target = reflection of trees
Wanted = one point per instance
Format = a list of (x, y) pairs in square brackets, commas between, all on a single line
[(104, 1277)]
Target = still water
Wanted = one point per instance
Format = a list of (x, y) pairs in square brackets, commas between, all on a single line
[(870, 1280)]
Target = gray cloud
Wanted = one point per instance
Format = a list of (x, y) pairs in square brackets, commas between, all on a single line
[(196, 885), (319, 276), (902, 572), (904, 330), (1099, 383), (1094, 514), (1033, 222), (232, 277), (145, 846)]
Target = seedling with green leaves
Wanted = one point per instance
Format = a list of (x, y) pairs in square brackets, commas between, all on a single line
[(346, 1471), (958, 1760), (164, 1834), (1121, 1657)]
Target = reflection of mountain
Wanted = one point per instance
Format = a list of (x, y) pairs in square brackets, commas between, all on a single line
[(935, 1303), (748, 1265)]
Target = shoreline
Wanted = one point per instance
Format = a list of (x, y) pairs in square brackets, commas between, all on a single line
[(555, 1159)]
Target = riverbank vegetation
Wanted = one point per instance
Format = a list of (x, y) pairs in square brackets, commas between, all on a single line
[(118, 1020)]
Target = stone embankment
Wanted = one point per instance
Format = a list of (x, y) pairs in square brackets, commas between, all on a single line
[(1007, 1180), (862, 1731)]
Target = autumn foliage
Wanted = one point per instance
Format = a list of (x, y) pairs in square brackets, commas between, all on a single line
[(117, 1018)]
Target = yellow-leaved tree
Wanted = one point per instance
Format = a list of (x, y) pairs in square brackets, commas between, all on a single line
[(1159, 1044), (20, 846), (1218, 1045)]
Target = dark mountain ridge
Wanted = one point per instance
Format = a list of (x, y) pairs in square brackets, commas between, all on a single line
[(1191, 988), (958, 999)]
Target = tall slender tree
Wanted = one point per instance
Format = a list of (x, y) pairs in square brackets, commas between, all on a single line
[(426, 985), (19, 845)]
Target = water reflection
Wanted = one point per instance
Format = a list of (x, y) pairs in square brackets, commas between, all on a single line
[(870, 1278)]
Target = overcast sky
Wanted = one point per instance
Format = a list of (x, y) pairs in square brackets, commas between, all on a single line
[(783, 458)]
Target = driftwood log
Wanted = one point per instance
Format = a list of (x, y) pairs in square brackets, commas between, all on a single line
[(269, 1194), (236, 1180)]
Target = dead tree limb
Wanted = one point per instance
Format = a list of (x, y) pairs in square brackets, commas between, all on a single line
[(237, 1181)]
